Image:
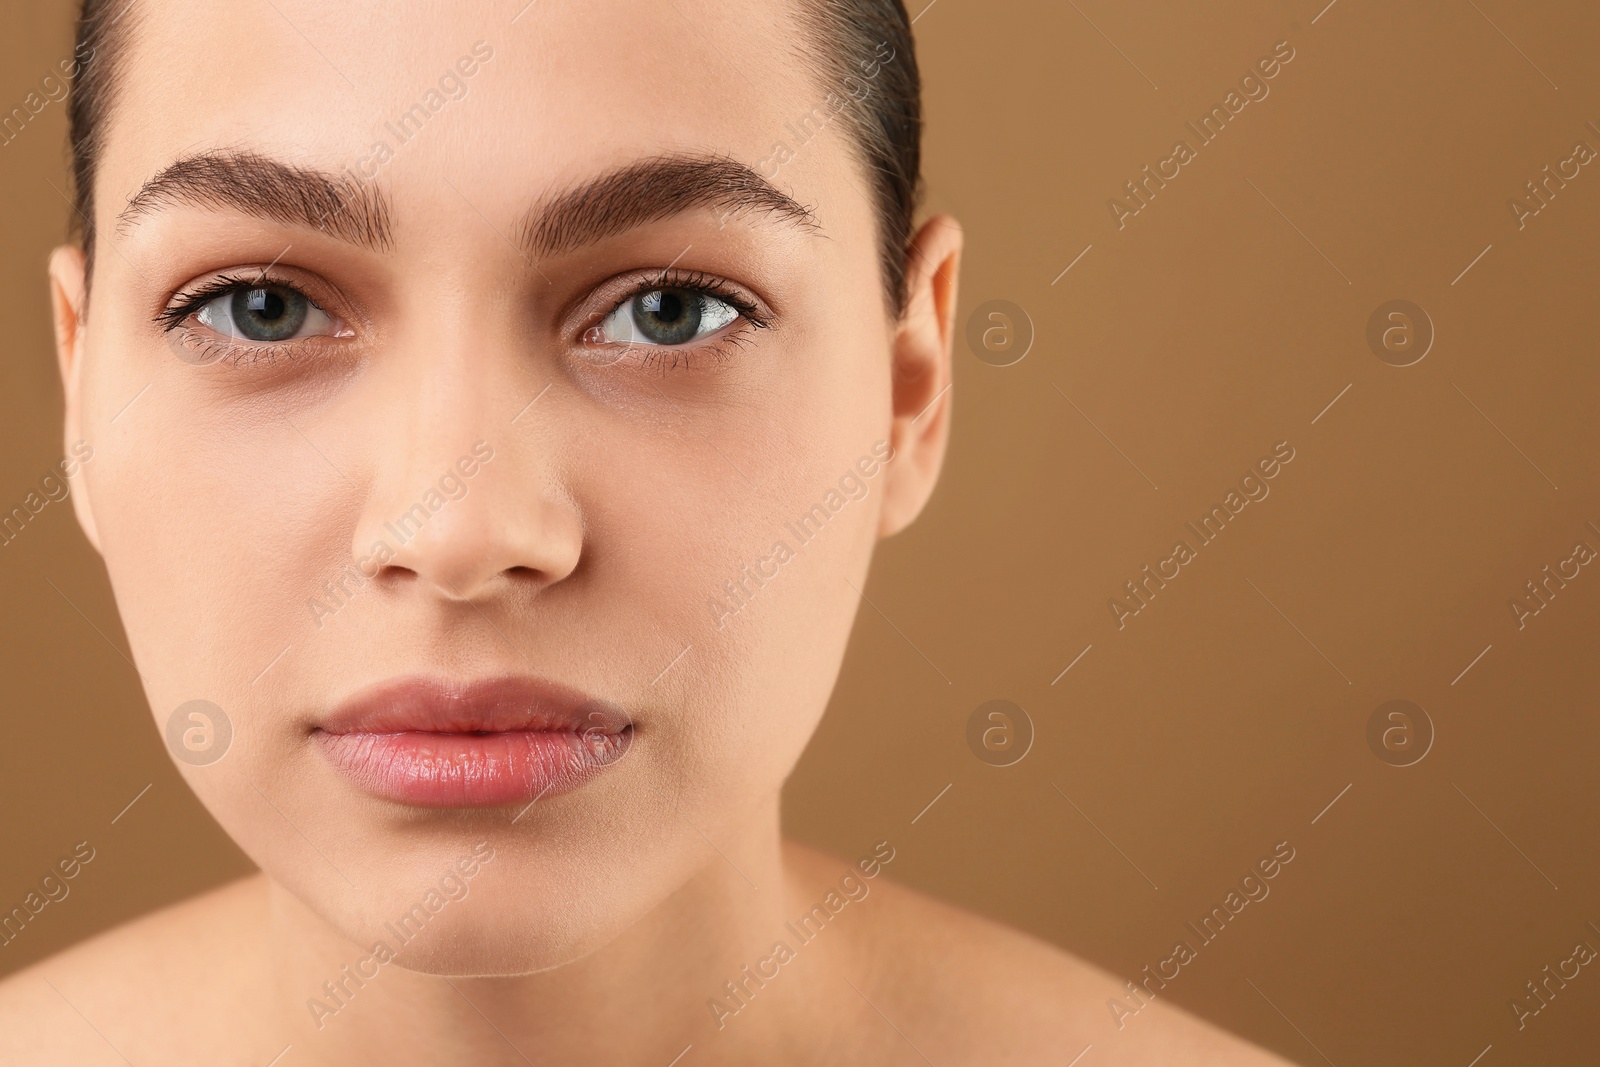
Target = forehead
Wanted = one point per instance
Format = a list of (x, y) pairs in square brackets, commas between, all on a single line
[(510, 98)]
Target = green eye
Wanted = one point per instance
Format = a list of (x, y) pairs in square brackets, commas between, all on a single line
[(264, 313), (667, 317)]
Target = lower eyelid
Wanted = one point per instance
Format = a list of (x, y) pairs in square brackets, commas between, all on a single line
[(203, 351)]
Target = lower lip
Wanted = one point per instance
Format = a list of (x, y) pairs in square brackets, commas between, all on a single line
[(453, 770)]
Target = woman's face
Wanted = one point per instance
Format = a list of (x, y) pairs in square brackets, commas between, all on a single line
[(440, 413)]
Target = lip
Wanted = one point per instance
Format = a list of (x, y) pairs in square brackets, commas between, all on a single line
[(436, 743)]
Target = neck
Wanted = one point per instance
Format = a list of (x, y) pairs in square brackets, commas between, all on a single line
[(643, 997)]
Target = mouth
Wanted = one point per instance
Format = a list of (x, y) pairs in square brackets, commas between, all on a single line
[(429, 742)]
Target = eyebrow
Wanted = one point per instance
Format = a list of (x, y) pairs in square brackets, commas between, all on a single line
[(648, 191), (652, 190), (258, 185)]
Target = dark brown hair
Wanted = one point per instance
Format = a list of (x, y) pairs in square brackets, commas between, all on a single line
[(862, 51)]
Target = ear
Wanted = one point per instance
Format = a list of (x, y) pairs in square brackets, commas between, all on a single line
[(68, 292), (922, 373)]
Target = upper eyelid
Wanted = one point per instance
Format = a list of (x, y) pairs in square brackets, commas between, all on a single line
[(187, 301), (693, 281), (750, 307)]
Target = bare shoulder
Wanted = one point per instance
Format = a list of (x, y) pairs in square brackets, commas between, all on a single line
[(978, 991), (134, 985)]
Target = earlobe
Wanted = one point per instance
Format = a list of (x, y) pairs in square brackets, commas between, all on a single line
[(922, 372), (68, 295)]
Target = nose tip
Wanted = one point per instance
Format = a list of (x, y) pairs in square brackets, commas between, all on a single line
[(476, 529), (469, 553)]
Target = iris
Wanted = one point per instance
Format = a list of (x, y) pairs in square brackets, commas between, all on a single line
[(268, 312)]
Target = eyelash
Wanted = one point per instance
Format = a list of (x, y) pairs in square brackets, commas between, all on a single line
[(186, 304)]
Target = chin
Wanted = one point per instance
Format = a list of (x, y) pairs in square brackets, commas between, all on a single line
[(519, 911), (472, 948)]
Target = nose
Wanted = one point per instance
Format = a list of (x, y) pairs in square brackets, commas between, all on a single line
[(463, 503), (471, 528)]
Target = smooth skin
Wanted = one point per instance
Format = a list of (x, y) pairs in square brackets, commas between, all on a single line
[(627, 486)]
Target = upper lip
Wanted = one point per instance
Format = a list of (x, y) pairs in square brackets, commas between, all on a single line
[(510, 703)]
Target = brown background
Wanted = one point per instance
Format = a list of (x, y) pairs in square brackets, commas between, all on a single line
[(1207, 330)]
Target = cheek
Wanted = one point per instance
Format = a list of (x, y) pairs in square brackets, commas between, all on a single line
[(689, 556), (214, 530)]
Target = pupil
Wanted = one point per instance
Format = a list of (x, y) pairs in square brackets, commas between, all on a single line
[(266, 304)]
